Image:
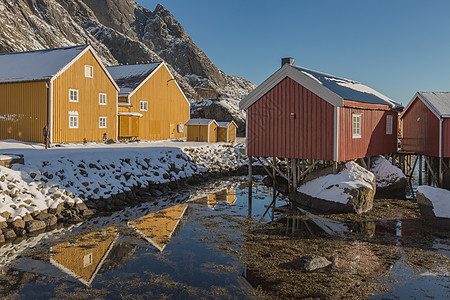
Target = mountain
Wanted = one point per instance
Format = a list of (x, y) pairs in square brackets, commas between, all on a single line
[(123, 32)]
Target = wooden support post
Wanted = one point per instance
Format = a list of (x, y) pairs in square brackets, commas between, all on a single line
[(335, 167), (420, 168), (294, 174), (250, 184), (430, 171), (276, 169), (288, 163), (441, 173), (274, 161), (363, 162)]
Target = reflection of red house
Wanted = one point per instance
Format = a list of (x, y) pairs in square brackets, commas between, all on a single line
[(304, 114)]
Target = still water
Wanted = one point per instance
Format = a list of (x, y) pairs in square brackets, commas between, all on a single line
[(186, 245)]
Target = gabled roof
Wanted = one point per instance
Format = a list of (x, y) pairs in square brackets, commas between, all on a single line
[(437, 102), (36, 65), (130, 77), (226, 123), (201, 122), (45, 64), (331, 88)]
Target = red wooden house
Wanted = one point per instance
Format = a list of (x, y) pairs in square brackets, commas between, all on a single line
[(303, 114), (426, 124)]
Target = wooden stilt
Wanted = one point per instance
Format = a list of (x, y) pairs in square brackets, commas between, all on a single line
[(420, 169), (294, 174), (250, 184), (274, 161), (441, 173)]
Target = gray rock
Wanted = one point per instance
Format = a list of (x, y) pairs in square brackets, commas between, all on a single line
[(313, 262), (426, 210), (35, 225)]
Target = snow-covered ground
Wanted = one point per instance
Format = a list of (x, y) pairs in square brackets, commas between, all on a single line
[(386, 173), (440, 198), (332, 187), (76, 172)]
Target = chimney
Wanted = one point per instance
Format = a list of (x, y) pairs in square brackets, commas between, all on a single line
[(287, 60)]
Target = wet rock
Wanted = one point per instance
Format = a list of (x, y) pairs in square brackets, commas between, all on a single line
[(81, 206), (56, 210), (87, 213), (119, 203), (49, 219), (313, 262), (2, 238), (9, 234), (75, 219), (35, 225), (156, 193), (69, 204)]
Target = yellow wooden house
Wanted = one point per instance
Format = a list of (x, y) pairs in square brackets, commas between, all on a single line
[(226, 132), (201, 130), (151, 105), (67, 88), (158, 227)]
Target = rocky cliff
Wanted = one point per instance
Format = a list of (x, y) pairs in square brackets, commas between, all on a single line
[(122, 32)]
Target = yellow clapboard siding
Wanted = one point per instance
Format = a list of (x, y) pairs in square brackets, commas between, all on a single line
[(88, 107), (167, 107), (212, 132), (232, 133), (222, 134), (23, 111)]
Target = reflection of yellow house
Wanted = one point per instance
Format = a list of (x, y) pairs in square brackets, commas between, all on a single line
[(227, 195), (158, 227), (226, 132), (83, 259), (209, 200)]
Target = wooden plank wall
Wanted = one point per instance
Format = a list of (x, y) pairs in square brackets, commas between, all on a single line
[(373, 141), (88, 106), (273, 131), (24, 111), (420, 130)]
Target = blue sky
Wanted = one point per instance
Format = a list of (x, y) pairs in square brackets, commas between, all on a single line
[(397, 47)]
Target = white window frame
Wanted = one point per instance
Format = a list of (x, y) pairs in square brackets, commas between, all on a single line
[(90, 73), (389, 124), (73, 120), (87, 260), (145, 108), (100, 121), (100, 99), (356, 125), (75, 93)]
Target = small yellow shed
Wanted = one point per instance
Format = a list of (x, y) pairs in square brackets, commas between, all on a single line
[(201, 130), (226, 132)]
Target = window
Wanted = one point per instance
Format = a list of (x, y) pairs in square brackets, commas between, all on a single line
[(88, 71), (87, 260), (73, 120), (73, 95), (102, 122), (144, 105), (102, 99), (356, 126), (389, 120)]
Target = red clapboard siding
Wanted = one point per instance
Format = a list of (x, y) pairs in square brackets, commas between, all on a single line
[(446, 138), (373, 141), (273, 132), (420, 130)]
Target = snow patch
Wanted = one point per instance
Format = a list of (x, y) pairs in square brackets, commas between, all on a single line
[(440, 198), (332, 187), (386, 173)]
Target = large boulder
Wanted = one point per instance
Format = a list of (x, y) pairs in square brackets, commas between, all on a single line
[(351, 190), (390, 180), (434, 205)]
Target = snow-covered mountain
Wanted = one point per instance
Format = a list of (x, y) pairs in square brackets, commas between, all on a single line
[(122, 32)]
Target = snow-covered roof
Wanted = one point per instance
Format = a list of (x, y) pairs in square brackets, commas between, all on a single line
[(37, 64), (129, 77), (225, 123), (438, 102), (330, 88), (200, 121), (349, 89)]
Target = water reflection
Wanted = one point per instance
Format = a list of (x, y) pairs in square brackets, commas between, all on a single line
[(227, 196), (84, 257), (158, 227)]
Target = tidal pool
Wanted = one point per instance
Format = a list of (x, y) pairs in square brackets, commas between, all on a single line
[(201, 243)]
